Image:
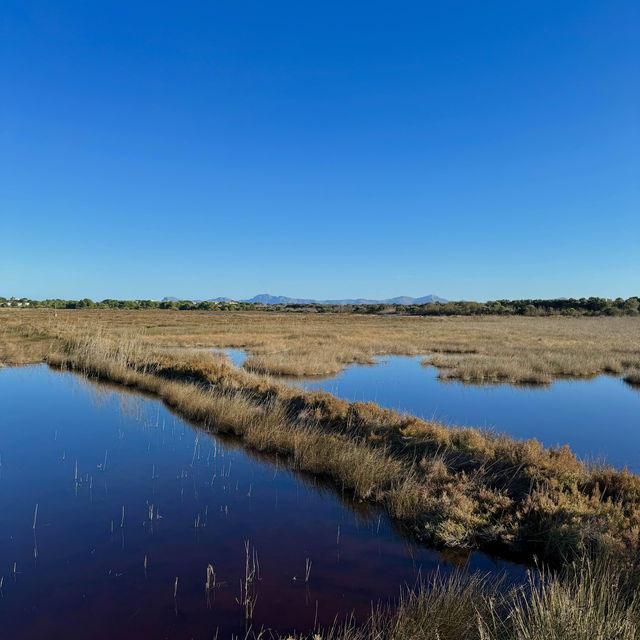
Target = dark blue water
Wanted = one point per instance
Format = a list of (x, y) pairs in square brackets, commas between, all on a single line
[(81, 572), (599, 419)]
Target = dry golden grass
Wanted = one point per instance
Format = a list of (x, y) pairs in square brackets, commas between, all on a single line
[(455, 487), (452, 486), (472, 349), (587, 601)]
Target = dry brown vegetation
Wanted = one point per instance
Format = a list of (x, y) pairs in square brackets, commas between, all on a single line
[(587, 601), (473, 349), (455, 487)]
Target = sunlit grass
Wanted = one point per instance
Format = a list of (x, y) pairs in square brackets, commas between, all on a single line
[(588, 600), (453, 487), (473, 349)]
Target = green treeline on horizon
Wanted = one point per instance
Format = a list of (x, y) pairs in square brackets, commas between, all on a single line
[(565, 307)]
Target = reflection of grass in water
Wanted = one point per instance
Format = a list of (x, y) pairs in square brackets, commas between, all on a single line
[(135, 405), (366, 514), (633, 380), (248, 587)]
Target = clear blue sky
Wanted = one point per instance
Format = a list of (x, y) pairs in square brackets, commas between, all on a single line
[(475, 150)]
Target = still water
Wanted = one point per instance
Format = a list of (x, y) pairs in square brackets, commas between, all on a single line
[(599, 418), (102, 465)]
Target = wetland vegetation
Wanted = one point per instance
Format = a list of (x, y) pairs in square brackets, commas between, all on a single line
[(453, 487), (131, 497), (575, 412), (482, 349)]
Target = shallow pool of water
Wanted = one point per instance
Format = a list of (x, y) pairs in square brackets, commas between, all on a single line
[(102, 464), (599, 419), (237, 356)]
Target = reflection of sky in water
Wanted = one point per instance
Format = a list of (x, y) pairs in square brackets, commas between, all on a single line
[(211, 497), (238, 356), (597, 418)]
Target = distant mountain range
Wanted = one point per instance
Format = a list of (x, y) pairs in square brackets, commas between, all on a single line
[(266, 298)]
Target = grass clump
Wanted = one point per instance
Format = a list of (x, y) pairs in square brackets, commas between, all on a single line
[(588, 600)]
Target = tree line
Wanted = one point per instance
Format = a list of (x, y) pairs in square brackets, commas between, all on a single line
[(556, 307)]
